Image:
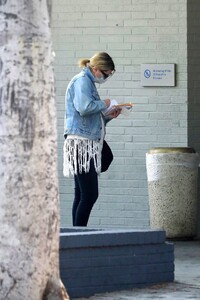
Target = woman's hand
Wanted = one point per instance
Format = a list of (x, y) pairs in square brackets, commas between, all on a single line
[(107, 102), (115, 113)]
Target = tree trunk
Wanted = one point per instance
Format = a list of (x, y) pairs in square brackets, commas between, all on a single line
[(29, 199)]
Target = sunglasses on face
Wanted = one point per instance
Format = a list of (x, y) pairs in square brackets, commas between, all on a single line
[(107, 75)]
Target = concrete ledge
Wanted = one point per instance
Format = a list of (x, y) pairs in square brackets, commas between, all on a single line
[(94, 261)]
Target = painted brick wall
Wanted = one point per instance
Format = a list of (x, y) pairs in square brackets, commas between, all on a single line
[(102, 261), (132, 32)]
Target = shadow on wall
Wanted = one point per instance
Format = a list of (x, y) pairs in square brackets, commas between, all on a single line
[(198, 207)]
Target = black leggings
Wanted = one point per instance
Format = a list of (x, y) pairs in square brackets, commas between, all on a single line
[(86, 194)]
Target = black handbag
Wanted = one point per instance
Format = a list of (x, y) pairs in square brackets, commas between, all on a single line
[(106, 157)]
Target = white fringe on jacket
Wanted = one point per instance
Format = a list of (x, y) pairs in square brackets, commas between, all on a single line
[(78, 152)]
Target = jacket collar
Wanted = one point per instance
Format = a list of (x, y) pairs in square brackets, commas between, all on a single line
[(87, 71)]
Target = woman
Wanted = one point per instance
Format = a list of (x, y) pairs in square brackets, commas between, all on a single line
[(85, 131)]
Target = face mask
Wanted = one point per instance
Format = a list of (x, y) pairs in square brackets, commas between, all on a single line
[(99, 80)]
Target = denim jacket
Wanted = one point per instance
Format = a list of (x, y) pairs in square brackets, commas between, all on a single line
[(83, 107)]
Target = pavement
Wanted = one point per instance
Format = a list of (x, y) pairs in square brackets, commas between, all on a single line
[(185, 286)]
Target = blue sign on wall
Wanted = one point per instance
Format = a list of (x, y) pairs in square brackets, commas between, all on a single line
[(158, 74)]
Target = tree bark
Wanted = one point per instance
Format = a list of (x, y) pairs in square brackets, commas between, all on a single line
[(29, 199)]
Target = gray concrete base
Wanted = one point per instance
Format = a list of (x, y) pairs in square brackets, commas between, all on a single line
[(98, 261)]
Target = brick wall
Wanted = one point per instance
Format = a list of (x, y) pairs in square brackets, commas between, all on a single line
[(132, 32), (102, 261)]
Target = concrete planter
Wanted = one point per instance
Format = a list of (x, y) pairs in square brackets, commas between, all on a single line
[(172, 187)]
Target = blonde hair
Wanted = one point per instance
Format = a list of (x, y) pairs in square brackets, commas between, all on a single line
[(101, 60)]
